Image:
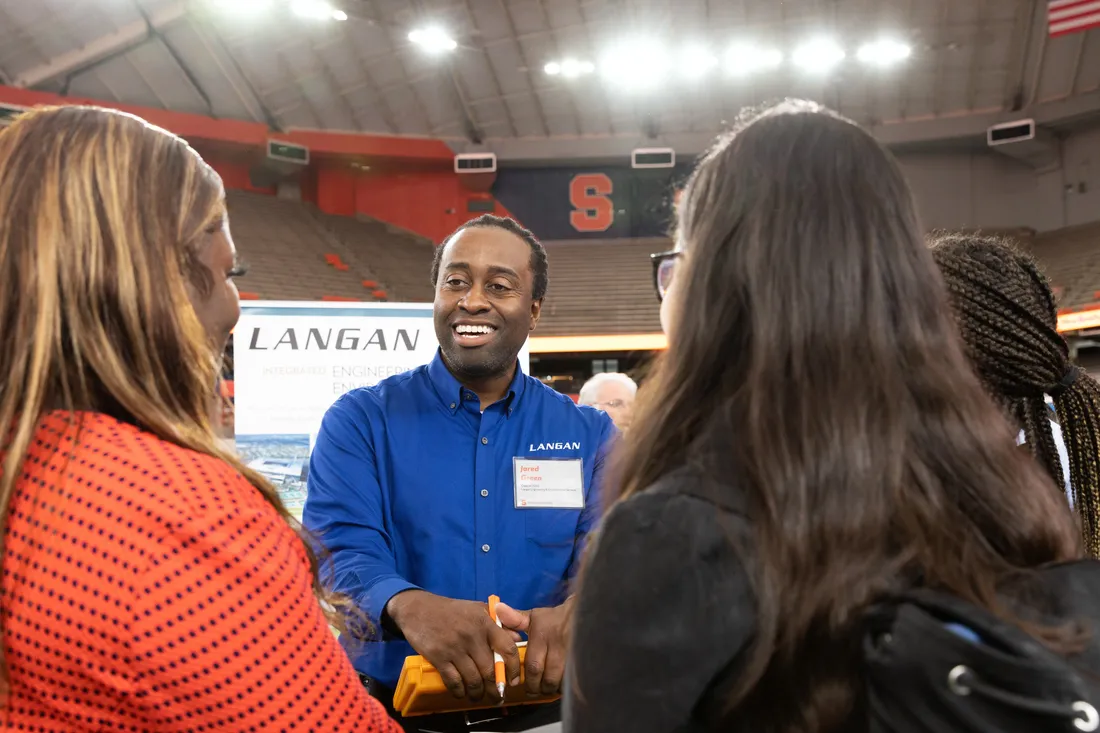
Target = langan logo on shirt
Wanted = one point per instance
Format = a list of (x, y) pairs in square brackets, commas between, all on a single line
[(555, 446)]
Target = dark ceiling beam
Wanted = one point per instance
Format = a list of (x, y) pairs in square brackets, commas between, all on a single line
[(382, 104), (154, 31), (102, 49), (469, 124), (1030, 20), (234, 75), (492, 68), (557, 53), (507, 14), (976, 58)]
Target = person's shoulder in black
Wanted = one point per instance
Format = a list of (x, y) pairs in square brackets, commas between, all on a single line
[(664, 608)]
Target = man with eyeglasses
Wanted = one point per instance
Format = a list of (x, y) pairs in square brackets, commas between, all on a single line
[(612, 393)]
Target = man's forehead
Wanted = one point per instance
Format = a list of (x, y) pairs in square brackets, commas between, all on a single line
[(488, 246), (616, 389)]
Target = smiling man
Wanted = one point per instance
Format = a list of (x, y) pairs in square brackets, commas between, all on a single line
[(464, 478)]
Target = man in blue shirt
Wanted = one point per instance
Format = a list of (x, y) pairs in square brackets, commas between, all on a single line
[(464, 478)]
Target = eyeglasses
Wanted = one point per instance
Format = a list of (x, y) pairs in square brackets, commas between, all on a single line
[(664, 267), (613, 404)]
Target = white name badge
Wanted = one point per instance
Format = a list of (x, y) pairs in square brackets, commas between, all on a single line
[(549, 483)]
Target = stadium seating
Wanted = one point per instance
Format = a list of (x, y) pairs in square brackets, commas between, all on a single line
[(1069, 258), (296, 252), (285, 249), (601, 287), (401, 261)]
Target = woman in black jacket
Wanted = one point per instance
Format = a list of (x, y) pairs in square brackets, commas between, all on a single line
[(812, 441)]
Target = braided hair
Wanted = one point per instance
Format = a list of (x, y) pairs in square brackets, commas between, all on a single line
[(1008, 318)]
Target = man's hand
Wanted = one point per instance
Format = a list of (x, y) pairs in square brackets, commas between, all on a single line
[(547, 632), (458, 638)]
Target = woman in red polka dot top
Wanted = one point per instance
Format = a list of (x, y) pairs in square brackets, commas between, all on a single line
[(150, 581)]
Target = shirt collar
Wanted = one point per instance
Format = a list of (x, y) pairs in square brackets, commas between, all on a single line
[(450, 390)]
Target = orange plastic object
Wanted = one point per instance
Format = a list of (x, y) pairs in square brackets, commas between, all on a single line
[(370, 284), (421, 691), (380, 294)]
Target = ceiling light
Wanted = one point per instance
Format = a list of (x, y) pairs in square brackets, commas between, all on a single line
[(696, 62), (635, 65), (317, 9), (571, 68), (744, 58), (433, 40), (883, 52), (818, 56)]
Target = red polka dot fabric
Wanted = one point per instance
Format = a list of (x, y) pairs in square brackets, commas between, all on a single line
[(146, 587)]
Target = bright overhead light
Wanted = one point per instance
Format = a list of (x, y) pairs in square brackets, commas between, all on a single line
[(571, 68), (744, 58), (696, 62), (433, 40), (636, 65), (883, 52), (317, 9), (818, 56)]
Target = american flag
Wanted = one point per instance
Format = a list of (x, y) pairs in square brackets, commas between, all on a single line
[(1072, 16)]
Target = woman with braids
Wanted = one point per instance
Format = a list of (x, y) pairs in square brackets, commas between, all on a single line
[(151, 582), (1007, 315), (812, 443)]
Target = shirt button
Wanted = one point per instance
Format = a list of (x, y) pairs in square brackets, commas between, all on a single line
[(484, 492), (485, 441), (452, 405), (484, 548)]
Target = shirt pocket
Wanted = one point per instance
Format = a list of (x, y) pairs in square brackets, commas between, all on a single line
[(551, 535), (552, 529)]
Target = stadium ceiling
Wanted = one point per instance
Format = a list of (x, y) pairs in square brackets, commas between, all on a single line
[(973, 63)]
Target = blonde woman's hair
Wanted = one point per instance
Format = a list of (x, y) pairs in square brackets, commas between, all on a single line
[(103, 221)]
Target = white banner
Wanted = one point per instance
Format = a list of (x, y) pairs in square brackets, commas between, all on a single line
[(292, 360)]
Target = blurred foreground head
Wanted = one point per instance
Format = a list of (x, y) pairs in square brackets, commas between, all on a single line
[(114, 300), (118, 295), (815, 376)]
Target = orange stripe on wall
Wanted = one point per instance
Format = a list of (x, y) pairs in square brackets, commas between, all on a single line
[(185, 125), (429, 202), (254, 134)]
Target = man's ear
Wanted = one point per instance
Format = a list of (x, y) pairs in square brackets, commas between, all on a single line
[(536, 311)]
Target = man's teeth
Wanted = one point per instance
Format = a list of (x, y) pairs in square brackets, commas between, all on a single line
[(474, 329)]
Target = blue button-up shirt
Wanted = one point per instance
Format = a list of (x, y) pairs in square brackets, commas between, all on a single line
[(411, 486)]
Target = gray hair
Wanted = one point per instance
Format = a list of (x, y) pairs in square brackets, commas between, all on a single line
[(592, 386)]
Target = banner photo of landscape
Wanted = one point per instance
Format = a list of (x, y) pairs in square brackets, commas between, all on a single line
[(292, 360)]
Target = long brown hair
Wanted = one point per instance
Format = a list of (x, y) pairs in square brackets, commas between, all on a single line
[(813, 370), (1009, 322), (103, 221)]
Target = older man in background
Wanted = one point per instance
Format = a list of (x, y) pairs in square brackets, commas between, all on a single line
[(612, 393)]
